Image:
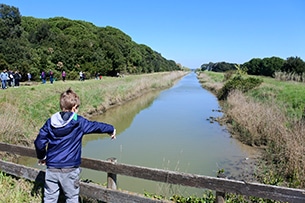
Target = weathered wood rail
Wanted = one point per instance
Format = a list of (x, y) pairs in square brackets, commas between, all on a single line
[(221, 185)]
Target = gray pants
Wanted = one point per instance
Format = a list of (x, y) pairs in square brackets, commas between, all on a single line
[(66, 179)]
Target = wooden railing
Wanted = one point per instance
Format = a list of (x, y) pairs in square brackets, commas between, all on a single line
[(220, 185)]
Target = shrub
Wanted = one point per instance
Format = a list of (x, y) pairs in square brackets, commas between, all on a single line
[(228, 75), (238, 83)]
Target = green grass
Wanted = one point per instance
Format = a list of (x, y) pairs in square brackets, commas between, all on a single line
[(215, 76), (36, 103), (288, 95), (12, 190), (24, 110)]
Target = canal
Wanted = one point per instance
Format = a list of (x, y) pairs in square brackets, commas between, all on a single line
[(169, 130)]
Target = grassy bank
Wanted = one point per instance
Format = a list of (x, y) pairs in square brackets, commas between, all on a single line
[(23, 110), (270, 118)]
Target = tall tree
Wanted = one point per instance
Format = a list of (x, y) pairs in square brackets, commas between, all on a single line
[(10, 22), (294, 64), (79, 45), (271, 65)]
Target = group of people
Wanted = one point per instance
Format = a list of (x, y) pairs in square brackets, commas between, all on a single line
[(43, 76), (10, 78)]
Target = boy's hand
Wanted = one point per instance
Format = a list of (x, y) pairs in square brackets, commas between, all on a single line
[(112, 135), (41, 162)]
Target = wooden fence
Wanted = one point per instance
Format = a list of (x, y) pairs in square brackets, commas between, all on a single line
[(220, 185)]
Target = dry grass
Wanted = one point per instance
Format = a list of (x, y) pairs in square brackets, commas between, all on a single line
[(11, 129), (260, 120), (270, 117), (214, 85), (111, 93), (267, 125), (283, 76)]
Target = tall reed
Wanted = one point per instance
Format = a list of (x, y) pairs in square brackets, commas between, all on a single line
[(264, 124), (291, 76)]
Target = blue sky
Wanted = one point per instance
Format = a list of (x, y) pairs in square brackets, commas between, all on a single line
[(192, 32)]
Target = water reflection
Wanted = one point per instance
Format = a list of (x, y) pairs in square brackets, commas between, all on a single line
[(122, 116)]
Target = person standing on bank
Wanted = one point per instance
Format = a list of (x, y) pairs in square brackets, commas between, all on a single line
[(63, 75), (43, 77), (59, 144), (3, 77), (17, 78), (29, 77), (51, 74)]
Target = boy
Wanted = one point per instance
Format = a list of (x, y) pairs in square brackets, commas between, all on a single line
[(59, 144)]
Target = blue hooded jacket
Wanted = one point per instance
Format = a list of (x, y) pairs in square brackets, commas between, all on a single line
[(60, 138)]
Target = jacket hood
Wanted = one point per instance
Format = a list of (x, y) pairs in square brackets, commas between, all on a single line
[(60, 120)]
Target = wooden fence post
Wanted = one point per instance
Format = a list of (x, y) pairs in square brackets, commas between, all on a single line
[(111, 177), (220, 196)]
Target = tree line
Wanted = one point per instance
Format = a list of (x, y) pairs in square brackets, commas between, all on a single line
[(29, 44), (265, 67)]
